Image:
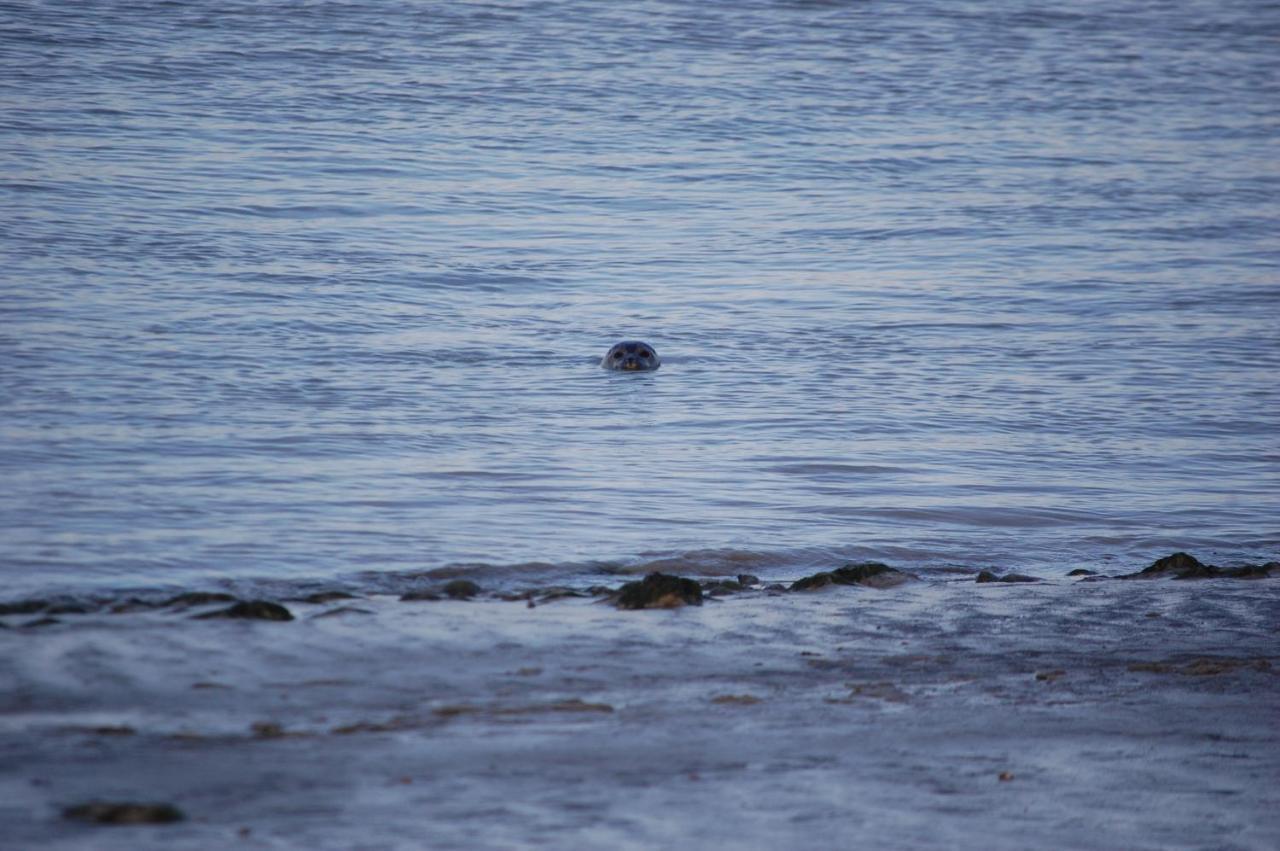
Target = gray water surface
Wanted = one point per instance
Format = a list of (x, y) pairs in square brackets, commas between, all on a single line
[(301, 290)]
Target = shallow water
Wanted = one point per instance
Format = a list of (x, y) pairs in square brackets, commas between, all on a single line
[(933, 715), (316, 291)]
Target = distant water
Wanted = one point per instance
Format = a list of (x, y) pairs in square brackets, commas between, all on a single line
[(313, 291)]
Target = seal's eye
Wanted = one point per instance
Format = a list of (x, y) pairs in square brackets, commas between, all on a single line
[(617, 355), (645, 354)]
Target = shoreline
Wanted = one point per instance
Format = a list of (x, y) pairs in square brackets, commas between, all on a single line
[(929, 714), (453, 583)]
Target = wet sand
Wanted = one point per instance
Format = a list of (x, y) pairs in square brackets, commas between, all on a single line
[(935, 714)]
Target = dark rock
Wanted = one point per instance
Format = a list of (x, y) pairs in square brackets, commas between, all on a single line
[(546, 595), (870, 573), (988, 576), (1183, 566), (262, 610), (67, 609), (118, 812), (746, 579), (721, 586), (23, 607), (133, 604), (38, 622), (327, 597), (343, 610), (659, 591), (198, 598), (116, 730), (1178, 565), (1080, 571), (809, 583), (461, 589), (458, 589), (1252, 571)]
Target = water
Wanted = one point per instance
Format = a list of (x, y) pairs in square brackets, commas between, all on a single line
[(315, 291)]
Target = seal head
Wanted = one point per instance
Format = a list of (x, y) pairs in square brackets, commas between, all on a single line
[(631, 356)]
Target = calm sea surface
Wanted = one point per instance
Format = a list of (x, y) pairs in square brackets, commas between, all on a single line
[(317, 291)]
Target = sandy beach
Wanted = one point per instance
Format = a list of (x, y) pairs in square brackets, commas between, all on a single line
[(940, 713)]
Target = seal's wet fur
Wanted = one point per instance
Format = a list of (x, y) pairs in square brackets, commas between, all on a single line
[(631, 356)]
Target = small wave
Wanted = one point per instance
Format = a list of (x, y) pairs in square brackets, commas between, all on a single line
[(819, 468)]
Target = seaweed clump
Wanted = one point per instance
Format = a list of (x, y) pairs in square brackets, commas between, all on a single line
[(659, 591), (871, 573)]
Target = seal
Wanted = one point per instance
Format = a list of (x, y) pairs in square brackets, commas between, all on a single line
[(631, 356)]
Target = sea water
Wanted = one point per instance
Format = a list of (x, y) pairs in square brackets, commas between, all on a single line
[(317, 291)]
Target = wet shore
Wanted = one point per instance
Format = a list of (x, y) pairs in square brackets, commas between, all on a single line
[(866, 708)]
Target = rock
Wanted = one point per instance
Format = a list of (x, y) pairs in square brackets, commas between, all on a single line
[(262, 610), (133, 604), (546, 595), (1178, 565), (327, 597), (809, 583), (871, 573), (659, 591), (23, 607), (1080, 571), (721, 586), (747, 579), (988, 576), (458, 589), (1184, 566), (1252, 571), (420, 595), (198, 598), (39, 622), (342, 610), (67, 609), (119, 812), (461, 589)]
